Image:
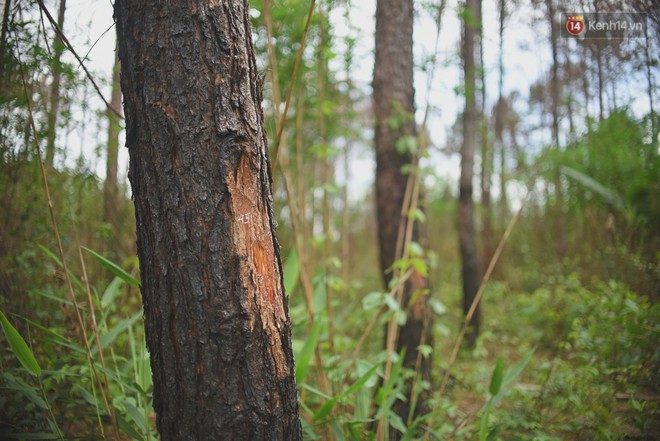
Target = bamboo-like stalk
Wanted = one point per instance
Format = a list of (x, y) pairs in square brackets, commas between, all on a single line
[(326, 177), (406, 225), (291, 86), (60, 248), (283, 161), (97, 337)]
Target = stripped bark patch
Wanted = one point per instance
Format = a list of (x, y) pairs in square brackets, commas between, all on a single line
[(253, 241)]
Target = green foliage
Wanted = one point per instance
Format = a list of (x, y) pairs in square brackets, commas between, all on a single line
[(19, 347), (596, 362), (599, 350), (70, 387)]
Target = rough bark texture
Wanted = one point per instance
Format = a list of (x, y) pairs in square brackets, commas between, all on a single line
[(394, 113), (471, 272), (216, 317)]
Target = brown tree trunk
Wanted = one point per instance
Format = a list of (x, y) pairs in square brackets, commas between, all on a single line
[(53, 110), (394, 113), (471, 272), (216, 317)]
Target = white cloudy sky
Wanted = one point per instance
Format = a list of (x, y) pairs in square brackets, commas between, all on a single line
[(526, 55)]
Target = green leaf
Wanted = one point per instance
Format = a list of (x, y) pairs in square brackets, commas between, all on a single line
[(111, 292), (437, 306), (114, 268), (361, 381), (307, 351), (397, 422), (391, 302), (87, 396), (127, 428), (417, 214), (425, 350), (135, 414), (421, 266), (291, 272), (611, 197), (483, 426), (16, 383), (108, 338), (50, 296), (19, 347), (517, 369), (325, 409), (415, 249), (496, 380), (50, 254), (406, 144), (372, 300), (512, 375)]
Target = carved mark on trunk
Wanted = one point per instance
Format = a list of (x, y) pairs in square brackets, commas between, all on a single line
[(254, 243)]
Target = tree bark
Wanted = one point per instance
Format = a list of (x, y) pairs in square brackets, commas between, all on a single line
[(471, 272), (394, 114), (216, 316)]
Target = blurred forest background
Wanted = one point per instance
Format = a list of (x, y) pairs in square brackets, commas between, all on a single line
[(566, 179)]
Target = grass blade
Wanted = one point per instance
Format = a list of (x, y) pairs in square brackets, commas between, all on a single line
[(19, 347), (114, 268), (291, 272), (307, 351), (496, 380)]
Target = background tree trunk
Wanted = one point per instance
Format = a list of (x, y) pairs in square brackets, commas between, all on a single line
[(216, 317), (471, 272), (394, 113), (486, 158), (110, 186), (556, 96), (58, 48)]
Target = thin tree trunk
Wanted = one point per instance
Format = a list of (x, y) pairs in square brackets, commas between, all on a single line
[(110, 187), (500, 117), (601, 82), (486, 158), (3, 32), (559, 194), (326, 175), (649, 79), (471, 272), (58, 47), (394, 113), (216, 317)]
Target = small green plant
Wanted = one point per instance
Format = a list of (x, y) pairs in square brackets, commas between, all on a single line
[(107, 381)]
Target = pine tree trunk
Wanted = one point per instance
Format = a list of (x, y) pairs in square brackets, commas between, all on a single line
[(394, 112), (216, 317), (471, 272)]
